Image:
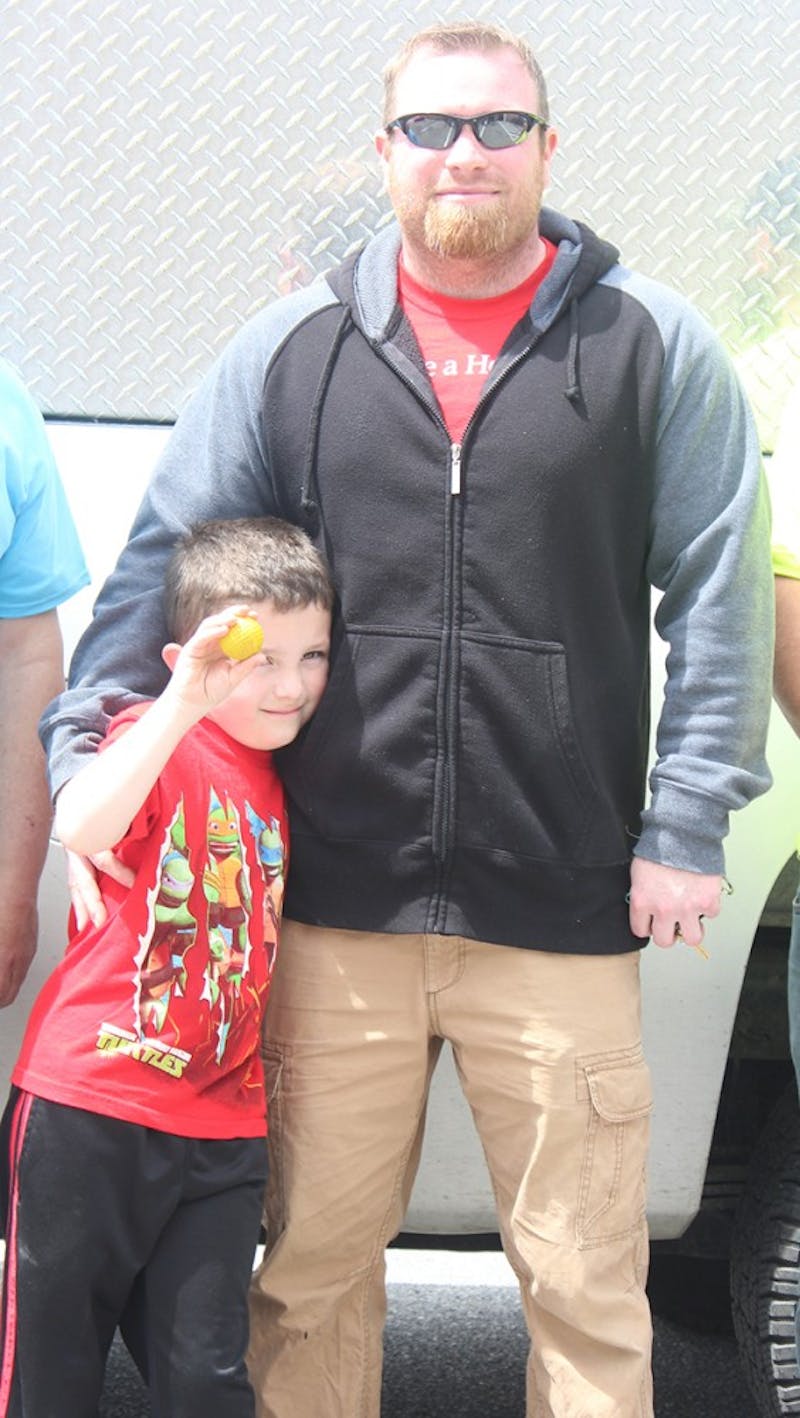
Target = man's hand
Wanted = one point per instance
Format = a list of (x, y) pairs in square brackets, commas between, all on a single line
[(670, 904), (17, 949), (84, 892)]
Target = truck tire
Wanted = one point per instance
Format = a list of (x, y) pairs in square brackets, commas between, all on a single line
[(765, 1258)]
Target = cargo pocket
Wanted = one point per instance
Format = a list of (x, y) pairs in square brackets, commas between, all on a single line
[(611, 1201)]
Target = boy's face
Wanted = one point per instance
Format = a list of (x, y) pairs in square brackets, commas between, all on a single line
[(270, 706)]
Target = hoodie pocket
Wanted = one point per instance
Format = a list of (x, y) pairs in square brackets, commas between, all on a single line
[(524, 786), (363, 769)]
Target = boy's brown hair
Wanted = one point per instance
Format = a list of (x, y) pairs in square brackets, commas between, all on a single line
[(247, 559)]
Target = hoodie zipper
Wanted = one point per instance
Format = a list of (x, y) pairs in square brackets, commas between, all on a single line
[(447, 707), (455, 469), (444, 796), (444, 782)]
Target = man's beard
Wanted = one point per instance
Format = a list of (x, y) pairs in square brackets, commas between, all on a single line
[(466, 233), (458, 231)]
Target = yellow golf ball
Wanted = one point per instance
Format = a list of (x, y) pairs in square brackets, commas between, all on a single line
[(243, 639)]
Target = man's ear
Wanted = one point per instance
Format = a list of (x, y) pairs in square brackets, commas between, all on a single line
[(383, 147), (169, 655), (550, 145)]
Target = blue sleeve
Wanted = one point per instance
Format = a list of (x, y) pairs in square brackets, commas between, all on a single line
[(41, 563)]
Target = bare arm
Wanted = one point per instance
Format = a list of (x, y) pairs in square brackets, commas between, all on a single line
[(95, 808), (30, 676), (787, 648)]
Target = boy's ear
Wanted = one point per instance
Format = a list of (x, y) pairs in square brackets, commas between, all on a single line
[(169, 655)]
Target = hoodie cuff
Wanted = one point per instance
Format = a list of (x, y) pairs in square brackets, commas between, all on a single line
[(684, 829)]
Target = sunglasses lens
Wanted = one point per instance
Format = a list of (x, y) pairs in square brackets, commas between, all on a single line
[(430, 130), (502, 130), (440, 130)]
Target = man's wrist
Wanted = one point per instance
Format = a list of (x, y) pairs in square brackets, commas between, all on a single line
[(18, 907)]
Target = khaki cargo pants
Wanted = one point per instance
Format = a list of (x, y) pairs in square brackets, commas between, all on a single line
[(548, 1051)]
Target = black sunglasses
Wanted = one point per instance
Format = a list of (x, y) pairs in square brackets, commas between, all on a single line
[(492, 130)]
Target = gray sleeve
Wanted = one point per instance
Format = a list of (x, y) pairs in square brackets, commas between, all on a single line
[(709, 556), (213, 466)]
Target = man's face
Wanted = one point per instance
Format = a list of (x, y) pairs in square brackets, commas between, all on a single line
[(466, 202)]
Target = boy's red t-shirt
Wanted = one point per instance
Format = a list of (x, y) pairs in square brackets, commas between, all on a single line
[(155, 1016)]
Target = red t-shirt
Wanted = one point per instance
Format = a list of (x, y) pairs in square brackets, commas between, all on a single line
[(461, 339), (155, 1016)]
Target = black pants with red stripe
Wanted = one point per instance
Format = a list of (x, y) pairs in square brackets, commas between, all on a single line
[(110, 1224)]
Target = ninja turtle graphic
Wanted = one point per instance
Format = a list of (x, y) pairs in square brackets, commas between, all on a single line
[(227, 890), (162, 972), (269, 845)]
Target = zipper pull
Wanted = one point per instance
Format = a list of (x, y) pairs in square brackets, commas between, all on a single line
[(455, 468)]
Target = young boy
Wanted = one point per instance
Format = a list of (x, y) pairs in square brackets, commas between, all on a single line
[(137, 1153)]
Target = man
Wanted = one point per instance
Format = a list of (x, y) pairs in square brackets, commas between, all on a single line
[(784, 477), (40, 566), (784, 471), (501, 438)]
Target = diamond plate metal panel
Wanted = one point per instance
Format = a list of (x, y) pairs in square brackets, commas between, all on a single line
[(166, 168)]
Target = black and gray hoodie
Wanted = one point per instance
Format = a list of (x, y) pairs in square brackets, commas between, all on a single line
[(477, 765)]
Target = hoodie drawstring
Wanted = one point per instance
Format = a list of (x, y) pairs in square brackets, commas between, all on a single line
[(309, 502), (573, 388)]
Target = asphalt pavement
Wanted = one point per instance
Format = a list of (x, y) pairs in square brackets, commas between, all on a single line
[(456, 1345)]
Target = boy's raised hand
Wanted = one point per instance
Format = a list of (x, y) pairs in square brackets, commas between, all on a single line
[(95, 808), (202, 674)]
